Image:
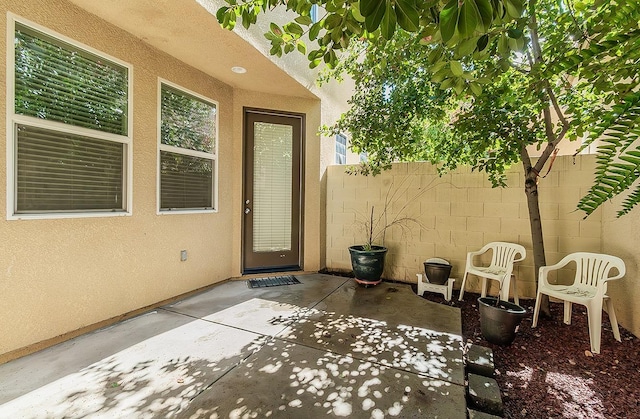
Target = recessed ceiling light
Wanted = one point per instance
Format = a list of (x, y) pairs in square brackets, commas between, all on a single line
[(239, 70)]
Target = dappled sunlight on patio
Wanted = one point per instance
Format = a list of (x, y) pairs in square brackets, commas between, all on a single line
[(260, 353), (415, 349), (153, 377), (331, 384)]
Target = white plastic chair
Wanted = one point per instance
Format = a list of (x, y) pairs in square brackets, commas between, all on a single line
[(445, 289), (589, 288), (504, 255)]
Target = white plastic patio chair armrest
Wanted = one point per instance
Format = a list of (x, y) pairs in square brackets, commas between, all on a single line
[(521, 258), (544, 270), (470, 255)]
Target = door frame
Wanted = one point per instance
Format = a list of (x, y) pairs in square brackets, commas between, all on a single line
[(245, 132)]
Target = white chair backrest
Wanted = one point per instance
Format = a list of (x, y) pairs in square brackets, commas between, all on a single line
[(504, 254), (593, 268)]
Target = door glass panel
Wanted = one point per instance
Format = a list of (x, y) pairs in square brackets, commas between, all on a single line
[(272, 206)]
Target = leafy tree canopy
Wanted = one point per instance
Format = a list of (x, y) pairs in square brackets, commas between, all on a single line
[(477, 81)]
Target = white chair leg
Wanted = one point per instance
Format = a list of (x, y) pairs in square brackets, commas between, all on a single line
[(612, 318), (483, 292), (516, 299), (536, 310), (450, 289), (464, 282), (505, 286), (568, 305), (594, 315), (420, 285)]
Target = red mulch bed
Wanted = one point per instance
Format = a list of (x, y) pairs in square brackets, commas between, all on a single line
[(548, 372)]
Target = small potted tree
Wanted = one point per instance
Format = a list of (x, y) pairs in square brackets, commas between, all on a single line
[(367, 260)]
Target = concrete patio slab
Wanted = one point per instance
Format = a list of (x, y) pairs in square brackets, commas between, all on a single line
[(326, 347), (283, 379), (148, 366)]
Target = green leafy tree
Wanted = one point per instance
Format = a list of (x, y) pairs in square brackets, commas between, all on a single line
[(478, 82)]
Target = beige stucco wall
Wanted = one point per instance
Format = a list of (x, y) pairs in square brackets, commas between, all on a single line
[(461, 212), (60, 275)]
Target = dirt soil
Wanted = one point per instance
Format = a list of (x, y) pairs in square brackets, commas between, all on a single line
[(549, 372)]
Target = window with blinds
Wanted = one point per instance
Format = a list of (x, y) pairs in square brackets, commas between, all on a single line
[(70, 127), (188, 141), (341, 149)]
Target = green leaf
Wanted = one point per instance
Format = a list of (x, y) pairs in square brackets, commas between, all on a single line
[(468, 19), (456, 68), (514, 8), (304, 20), (246, 20), (466, 47), (388, 25), (275, 29), (483, 41), (355, 12), (449, 20), (486, 13), (447, 84), (408, 17), (314, 31), (370, 7), (332, 21), (302, 47), (220, 14), (293, 28), (503, 45), (475, 88), (372, 21)]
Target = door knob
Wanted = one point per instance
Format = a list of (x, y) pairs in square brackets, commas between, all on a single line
[(247, 210)]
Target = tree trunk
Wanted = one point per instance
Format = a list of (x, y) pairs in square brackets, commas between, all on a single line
[(535, 222)]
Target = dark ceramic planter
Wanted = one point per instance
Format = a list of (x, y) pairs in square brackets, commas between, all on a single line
[(367, 264), (498, 324), (437, 273)]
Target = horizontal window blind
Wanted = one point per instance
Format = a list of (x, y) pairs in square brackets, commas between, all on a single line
[(272, 186), (186, 182), (59, 82), (64, 172)]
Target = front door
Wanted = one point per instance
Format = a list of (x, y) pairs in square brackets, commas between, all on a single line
[(272, 191)]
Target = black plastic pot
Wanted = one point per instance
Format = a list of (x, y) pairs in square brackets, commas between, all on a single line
[(437, 273), (498, 324), (367, 264)]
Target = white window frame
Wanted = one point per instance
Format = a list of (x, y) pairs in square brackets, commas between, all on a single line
[(213, 156), (14, 119)]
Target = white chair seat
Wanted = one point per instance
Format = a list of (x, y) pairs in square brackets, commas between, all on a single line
[(589, 288), (503, 256)]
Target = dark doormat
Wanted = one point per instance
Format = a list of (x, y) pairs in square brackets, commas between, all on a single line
[(272, 281)]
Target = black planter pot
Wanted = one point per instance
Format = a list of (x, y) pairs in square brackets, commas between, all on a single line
[(437, 273), (367, 264), (498, 324)]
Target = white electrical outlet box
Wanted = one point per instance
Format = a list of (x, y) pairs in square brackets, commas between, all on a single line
[(183, 255)]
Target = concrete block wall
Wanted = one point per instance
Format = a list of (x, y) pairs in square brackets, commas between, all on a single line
[(457, 213)]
